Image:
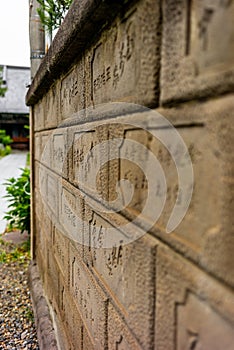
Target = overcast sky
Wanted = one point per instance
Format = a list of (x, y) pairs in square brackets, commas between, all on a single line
[(14, 33)]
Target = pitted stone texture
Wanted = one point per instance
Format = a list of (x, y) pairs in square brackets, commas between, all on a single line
[(193, 65), (60, 246), (205, 232), (89, 299), (39, 115), (190, 305), (129, 272), (51, 106), (88, 155), (119, 335), (59, 152), (72, 93), (124, 63)]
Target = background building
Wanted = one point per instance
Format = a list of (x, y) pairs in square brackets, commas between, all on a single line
[(13, 111)]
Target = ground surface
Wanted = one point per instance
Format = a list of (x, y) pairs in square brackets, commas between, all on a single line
[(17, 328)]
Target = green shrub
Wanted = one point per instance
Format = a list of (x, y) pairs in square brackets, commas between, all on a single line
[(18, 194), (7, 150), (5, 139)]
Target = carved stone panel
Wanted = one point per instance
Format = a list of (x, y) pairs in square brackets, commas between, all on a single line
[(125, 62), (200, 327), (72, 92), (197, 48), (193, 310), (89, 298)]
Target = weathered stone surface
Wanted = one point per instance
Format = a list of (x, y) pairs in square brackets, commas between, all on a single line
[(127, 271), (51, 106), (119, 335), (61, 253), (73, 323), (37, 146), (90, 300), (124, 63), (193, 65), (191, 306), (59, 159), (38, 115), (72, 94), (87, 159), (69, 45), (113, 277)]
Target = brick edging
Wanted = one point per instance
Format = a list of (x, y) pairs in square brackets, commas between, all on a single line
[(44, 325)]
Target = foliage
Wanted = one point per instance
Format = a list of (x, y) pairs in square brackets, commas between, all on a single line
[(5, 139), (52, 13), (18, 194), (2, 89), (5, 151), (11, 253)]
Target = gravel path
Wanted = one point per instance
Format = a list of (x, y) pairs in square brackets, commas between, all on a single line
[(17, 329)]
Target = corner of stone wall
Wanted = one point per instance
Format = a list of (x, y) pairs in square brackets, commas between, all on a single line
[(44, 325)]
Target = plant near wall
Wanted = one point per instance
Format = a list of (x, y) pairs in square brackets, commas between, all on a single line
[(2, 89), (5, 141), (52, 13), (18, 194)]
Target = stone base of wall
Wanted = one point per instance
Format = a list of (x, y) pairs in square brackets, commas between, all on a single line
[(45, 329)]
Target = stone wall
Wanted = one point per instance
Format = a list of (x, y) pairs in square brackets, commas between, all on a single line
[(112, 275)]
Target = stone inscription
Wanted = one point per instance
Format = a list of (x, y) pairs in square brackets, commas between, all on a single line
[(112, 74), (71, 214), (114, 62), (125, 269), (60, 248), (72, 92), (209, 45), (200, 327), (59, 153), (89, 299), (52, 194), (196, 139)]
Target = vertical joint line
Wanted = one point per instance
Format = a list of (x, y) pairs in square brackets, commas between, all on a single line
[(188, 27)]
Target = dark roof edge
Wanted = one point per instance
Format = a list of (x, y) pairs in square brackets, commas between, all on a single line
[(13, 66), (84, 20)]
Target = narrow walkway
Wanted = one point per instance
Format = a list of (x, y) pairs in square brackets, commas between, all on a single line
[(9, 167)]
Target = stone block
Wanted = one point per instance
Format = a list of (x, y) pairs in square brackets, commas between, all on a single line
[(89, 299), (59, 152), (204, 234), (38, 115), (61, 253), (87, 159), (127, 272), (52, 281), (52, 197), (193, 64), (72, 93), (125, 62), (72, 322), (191, 310), (51, 106), (71, 213), (119, 336), (37, 146)]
